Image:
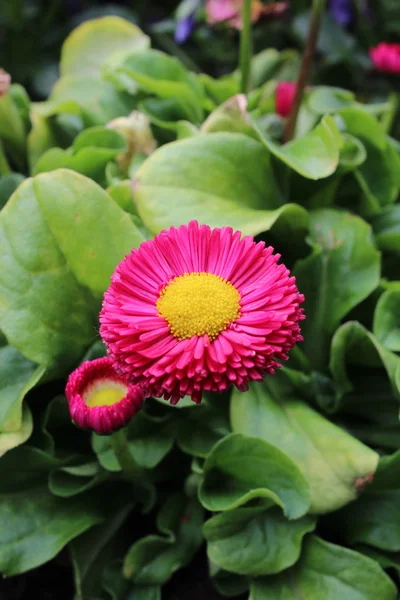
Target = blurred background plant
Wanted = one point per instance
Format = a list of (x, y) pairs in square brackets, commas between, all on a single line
[(204, 34)]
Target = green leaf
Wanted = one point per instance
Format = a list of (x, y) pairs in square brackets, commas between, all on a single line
[(194, 189), (35, 526), (375, 518), (330, 572), (272, 64), (387, 319), (228, 584), (240, 468), (165, 76), (93, 551), (326, 99), (353, 344), (315, 155), (11, 439), (332, 461), (8, 185), (386, 227), (120, 588), (255, 541), (75, 479), (96, 101), (17, 376), (153, 559), (149, 441), (378, 175), (91, 151), (45, 270), (86, 48), (121, 192), (12, 130), (230, 116), (221, 89), (200, 427), (342, 270), (40, 138)]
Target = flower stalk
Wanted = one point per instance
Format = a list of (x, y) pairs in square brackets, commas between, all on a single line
[(306, 64), (119, 444), (245, 48)]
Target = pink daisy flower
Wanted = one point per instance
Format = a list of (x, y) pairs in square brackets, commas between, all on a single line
[(386, 57), (199, 309), (100, 399), (230, 11)]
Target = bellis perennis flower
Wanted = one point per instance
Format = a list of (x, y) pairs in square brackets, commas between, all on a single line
[(198, 309), (386, 57), (100, 399), (230, 11)]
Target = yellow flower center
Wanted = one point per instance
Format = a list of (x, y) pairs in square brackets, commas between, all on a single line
[(104, 393), (198, 303)]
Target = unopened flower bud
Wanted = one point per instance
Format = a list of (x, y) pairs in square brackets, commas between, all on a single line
[(138, 135)]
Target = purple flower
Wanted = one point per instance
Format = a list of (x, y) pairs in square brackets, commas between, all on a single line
[(183, 29), (341, 11)]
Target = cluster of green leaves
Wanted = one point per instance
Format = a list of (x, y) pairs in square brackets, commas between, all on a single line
[(293, 485)]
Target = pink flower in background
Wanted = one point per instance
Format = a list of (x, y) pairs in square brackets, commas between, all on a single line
[(386, 57), (199, 309), (284, 97), (99, 399), (230, 11), (5, 81)]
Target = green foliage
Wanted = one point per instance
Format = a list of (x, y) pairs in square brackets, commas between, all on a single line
[(314, 448)]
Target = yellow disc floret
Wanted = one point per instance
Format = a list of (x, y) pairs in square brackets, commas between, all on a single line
[(104, 393), (198, 303)]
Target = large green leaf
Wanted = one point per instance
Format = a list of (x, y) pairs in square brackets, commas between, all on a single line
[(12, 439), (8, 185), (330, 572), (378, 175), (93, 551), (34, 524), (165, 76), (17, 376), (352, 344), (386, 227), (387, 318), (86, 48), (95, 100), (153, 559), (90, 153), (255, 541), (333, 462), (81, 89), (315, 155), (55, 263), (77, 478), (342, 270), (195, 189), (375, 518), (240, 468)]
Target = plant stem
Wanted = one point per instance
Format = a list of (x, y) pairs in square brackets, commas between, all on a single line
[(306, 64), (4, 166), (389, 115), (245, 48), (119, 444)]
